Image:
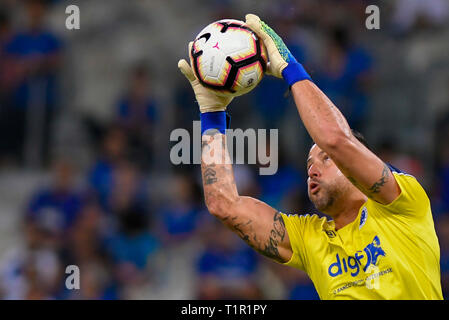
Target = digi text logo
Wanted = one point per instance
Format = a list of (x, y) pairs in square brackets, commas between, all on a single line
[(366, 260), (258, 149), (362, 259)]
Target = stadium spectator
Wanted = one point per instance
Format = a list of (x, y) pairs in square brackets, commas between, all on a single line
[(87, 250), (245, 179), (95, 284), (137, 115), (268, 101), (31, 270), (297, 284), (88, 233), (287, 180), (34, 55), (132, 248), (345, 74), (127, 188), (412, 15), (100, 176), (226, 267), (184, 103), (181, 217), (55, 208), (7, 79)]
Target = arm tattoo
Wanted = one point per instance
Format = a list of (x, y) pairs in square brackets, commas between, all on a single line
[(375, 188), (268, 248), (277, 235), (238, 228), (218, 179), (221, 193), (210, 175), (204, 145)]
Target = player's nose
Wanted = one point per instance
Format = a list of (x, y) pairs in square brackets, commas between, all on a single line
[(314, 171)]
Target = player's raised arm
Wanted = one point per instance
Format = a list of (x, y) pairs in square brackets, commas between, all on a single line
[(261, 226), (325, 123)]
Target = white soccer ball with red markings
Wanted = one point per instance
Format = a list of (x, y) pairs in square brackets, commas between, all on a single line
[(228, 57)]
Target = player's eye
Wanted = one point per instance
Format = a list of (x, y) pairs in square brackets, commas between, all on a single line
[(308, 167)]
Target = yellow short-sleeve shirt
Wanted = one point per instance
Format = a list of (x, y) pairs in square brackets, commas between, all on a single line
[(388, 252)]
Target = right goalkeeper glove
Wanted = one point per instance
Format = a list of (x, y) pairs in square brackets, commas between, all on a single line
[(282, 63)]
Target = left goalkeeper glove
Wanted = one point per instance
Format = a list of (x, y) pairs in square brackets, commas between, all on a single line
[(212, 107), (282, 64), (208, 101)]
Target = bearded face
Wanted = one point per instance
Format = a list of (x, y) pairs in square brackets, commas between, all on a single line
[(326, 183), (324, 194)]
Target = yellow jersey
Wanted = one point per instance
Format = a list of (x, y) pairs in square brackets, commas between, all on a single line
[(388, 252)]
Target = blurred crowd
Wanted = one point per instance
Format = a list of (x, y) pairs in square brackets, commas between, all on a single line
[(135, 237)]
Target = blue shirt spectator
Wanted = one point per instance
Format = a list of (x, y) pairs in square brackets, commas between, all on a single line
[(33, 44), (128, 114), (228, 265), (226, 258), (35, 51), (133, 243), (343, 75), (101, 175), (181, 216), (135, 249), (180, 220), (54, 209), (100, 178), (303, 291)]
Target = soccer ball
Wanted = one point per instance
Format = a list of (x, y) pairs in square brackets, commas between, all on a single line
[(228, 57)]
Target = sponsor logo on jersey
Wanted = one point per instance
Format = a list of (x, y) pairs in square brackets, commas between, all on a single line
[(363, 217), (361, 260)]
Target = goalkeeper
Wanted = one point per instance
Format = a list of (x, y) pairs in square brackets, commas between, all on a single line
[(380, 240)]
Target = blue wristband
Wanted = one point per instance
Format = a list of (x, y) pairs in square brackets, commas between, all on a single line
[(294, 71), (213, 120)]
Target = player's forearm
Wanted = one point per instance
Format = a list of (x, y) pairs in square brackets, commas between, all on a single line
[(220, 191), (322, 119), (258, 224)]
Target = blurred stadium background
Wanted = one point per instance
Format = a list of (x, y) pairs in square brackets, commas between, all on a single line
[(85, 176)]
